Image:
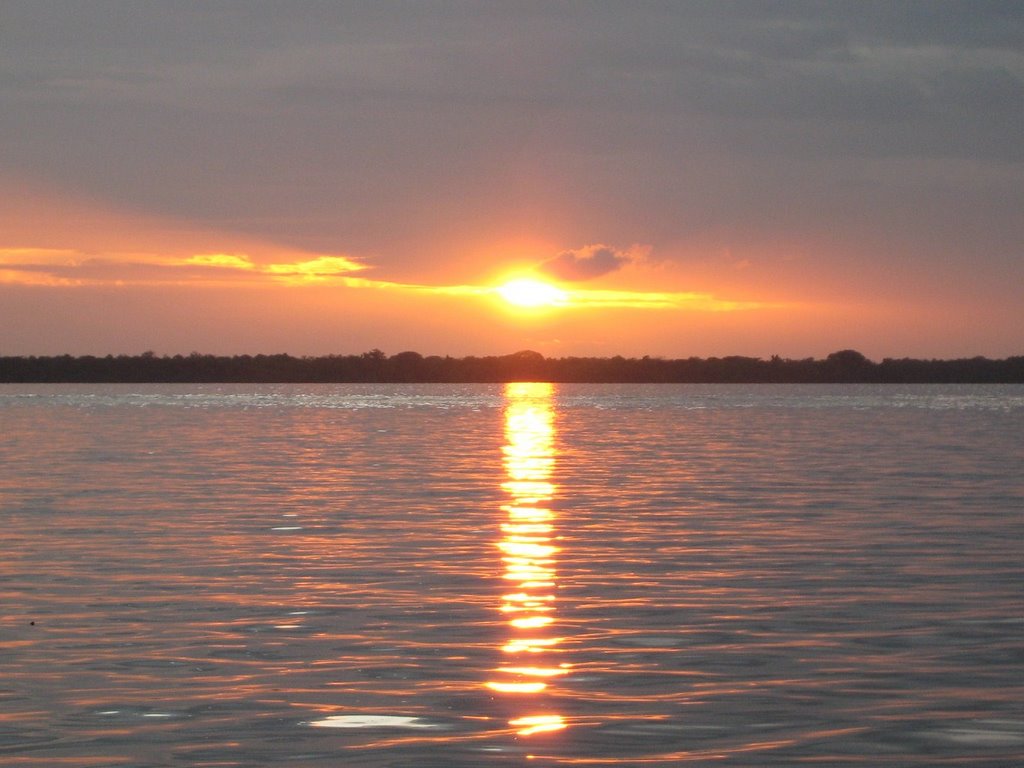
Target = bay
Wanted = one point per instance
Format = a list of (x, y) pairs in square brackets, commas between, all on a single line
[(464, 575)]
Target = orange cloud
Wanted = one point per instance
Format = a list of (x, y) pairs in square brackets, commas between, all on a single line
[(315, 270), (225, 260), (704, 302), (66, 267)]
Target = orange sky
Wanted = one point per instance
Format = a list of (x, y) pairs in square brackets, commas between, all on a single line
[(349, 181)]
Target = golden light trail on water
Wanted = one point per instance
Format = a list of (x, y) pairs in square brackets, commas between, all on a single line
[(528, 551)]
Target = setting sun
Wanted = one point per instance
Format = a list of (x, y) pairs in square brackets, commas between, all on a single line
[(526, 292)]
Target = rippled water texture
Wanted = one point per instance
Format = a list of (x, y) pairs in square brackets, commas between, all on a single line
[(476, 575)]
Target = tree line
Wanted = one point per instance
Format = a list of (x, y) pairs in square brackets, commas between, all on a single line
[(845, 366)]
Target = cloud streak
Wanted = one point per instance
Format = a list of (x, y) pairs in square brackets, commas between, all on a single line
[(66, 268), (665, 300)]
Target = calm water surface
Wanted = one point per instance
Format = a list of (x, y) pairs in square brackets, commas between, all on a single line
[(538, 575)]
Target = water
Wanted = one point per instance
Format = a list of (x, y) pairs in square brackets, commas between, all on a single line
[(443, 575)]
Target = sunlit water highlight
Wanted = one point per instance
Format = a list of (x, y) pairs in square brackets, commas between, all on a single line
[(510, 575)]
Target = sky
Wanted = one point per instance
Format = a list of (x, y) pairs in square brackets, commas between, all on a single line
[(677, 179)]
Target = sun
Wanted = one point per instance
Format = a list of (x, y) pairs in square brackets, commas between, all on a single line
[(529, 293)]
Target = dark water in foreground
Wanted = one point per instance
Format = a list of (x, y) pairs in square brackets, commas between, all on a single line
[(523, 575)]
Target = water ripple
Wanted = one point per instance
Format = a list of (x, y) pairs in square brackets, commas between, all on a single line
[(465, 576)]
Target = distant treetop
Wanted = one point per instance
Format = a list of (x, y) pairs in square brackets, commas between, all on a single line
[(844, 366)]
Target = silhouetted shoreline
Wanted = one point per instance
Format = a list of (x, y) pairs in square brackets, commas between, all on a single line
[(846, 366)]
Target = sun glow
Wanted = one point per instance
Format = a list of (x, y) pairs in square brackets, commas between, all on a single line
[(529, 293)]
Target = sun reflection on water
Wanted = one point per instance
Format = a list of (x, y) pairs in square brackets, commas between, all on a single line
[(528, 552)]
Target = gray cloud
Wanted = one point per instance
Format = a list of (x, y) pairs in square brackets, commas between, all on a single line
[(323, 126), (585, 263)]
